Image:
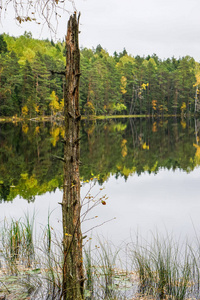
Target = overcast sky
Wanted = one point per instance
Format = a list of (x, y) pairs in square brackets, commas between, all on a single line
[(165, 27)]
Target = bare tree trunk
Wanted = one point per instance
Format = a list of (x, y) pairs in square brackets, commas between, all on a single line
[(196, 98), (72, 238)]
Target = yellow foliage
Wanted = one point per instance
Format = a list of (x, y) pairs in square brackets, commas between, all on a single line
[(183, 124), (197, 74), (62, 132), (154, 127), (55, 135), (124, 60), (37, 108), (124, 151), (90, 128), (145, 146), (54, 104), (32, 182), (24, 111), (119, 127), (89, 108), (127, 59), (196, 146), (37, 130), (124, 148), (145, 63), (123, 85), (126, 171), (146, 168), (152, 61), (28, 54), (144, 85), (119, 167), (154, 167), (123, 143), (197, 154), (62, 104), (197, 80), (25, 128), (154, 104), (183, 106), (118, 107), (24, 176)]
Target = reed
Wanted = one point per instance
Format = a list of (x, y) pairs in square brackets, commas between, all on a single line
[(29, 268), (90, 271), (165, 268), (28, 240), (107, 263), (52, 260), (11, 241), (104, 276), (161, 268)]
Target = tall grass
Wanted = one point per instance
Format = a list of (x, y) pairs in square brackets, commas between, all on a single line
[(166, 268), (17, 258), (17, 241), (11, 241), (30, 267), (28, 245), (105, 277), (161, 268), (52, 260), (106, 260)]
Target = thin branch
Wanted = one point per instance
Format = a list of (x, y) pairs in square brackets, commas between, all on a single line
[(47, 11), (98, 225)]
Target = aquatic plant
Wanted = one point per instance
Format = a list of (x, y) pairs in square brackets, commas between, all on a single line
[(161, 268), (165, 268)]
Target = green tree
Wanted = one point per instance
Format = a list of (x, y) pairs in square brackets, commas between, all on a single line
[(126, 67), (42, 87), (10, 84), (186, 82), (3, 45), (27, 95)]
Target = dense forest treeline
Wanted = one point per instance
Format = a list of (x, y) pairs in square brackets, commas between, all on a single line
[(31, 81), (27, 152)]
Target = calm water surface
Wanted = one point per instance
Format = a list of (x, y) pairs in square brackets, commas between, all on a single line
[(149, 170)]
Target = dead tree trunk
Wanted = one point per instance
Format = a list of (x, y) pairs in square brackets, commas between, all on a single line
[(72, 238)]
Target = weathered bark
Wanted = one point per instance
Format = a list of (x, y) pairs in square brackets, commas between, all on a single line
[(72, 238)]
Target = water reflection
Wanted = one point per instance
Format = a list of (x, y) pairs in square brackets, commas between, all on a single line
[(150, 170), (167, 202), (27, 165), (28, 152)]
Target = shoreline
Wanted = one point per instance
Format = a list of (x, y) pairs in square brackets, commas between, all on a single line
[(91, 117)]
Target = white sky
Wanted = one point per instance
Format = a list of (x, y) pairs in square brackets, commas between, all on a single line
[(164, 27)]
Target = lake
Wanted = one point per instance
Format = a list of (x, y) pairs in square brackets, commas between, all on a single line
[(148, 169)]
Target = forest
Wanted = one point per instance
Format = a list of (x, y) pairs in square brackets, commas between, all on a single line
[(32, 81)]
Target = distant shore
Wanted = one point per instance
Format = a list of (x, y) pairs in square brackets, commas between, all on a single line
[(16, 119)]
